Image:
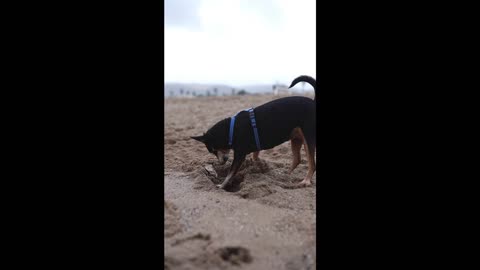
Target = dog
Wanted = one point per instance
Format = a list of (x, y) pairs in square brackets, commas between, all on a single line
[(264, 127)]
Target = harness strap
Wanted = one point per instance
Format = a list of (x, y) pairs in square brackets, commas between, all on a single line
[(230, 134), (254, 126)]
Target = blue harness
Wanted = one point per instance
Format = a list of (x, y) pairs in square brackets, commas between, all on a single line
[(254, 126)]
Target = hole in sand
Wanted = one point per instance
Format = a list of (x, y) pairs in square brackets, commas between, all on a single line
[(221, 172), (236, 184), (217, 173), (235, 255)]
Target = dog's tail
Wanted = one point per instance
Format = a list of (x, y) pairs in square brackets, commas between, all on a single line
[(308, 79)]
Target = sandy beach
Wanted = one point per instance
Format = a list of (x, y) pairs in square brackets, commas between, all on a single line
[(258, 223)]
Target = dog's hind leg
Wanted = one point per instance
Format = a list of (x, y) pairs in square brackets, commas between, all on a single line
[(296, 147), (238, 159), (310, 145), (310, 149)]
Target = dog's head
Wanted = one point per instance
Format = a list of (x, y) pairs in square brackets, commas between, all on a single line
[(214, 147), (216, 140)]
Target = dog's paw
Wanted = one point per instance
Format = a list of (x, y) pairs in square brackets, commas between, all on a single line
[(305, 183)]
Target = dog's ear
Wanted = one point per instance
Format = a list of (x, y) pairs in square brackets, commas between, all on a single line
[(199, 138)]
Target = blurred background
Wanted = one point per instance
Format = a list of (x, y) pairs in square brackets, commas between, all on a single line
[(238, 47)]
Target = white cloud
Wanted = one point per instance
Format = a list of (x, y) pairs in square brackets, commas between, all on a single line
[(239, 44)]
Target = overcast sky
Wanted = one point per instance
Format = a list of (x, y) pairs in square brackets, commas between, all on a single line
[(239, 42)]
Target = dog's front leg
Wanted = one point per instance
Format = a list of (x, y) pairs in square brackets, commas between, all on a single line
[(238, 159), (255, 155)]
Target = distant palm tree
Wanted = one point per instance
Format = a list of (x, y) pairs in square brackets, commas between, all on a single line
[(215, 91), (181, 92), (242, 92)]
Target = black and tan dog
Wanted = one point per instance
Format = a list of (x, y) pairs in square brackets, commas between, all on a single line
[(266, 126)]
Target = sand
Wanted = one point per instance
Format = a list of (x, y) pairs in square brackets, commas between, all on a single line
[(260, 222)]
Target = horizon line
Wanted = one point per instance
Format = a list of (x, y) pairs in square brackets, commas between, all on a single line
[(229, 84)]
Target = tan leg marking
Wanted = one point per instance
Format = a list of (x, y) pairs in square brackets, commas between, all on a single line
[(296, 141), (255, 155), (226, 181), (311, 165), (296, 147)]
